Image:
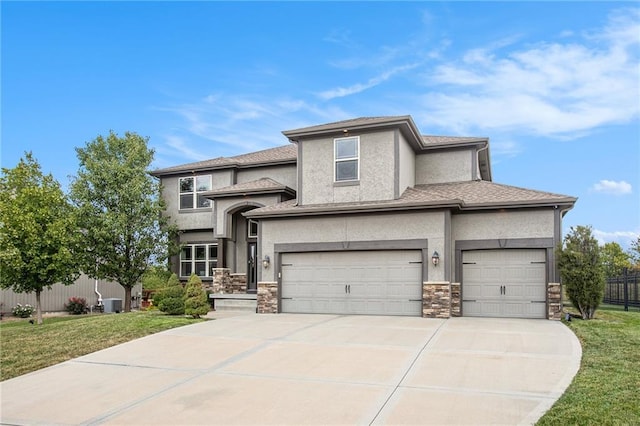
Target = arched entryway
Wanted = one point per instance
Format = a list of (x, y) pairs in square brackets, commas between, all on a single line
[(240, 248)]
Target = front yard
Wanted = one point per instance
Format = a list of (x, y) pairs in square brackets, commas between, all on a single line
[(606, 390), (27, 347)]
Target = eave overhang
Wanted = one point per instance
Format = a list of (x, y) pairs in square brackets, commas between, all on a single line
[(454, 205)]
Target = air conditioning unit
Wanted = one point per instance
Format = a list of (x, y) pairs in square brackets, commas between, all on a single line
[(112, 305)]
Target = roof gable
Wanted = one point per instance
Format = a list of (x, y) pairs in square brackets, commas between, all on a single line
[(278, 155)]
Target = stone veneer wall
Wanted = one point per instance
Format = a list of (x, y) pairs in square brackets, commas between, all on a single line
[(456, 301), (237, 284), (436, 299), (267, 297), (554, 301), (226, 282)]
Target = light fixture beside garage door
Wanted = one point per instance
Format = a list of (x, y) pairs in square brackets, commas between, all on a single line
[(266, 261), (435, 258)]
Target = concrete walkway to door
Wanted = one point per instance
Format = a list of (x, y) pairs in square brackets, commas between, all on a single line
[(309, 369)]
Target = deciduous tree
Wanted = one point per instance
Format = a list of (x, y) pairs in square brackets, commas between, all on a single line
[(37, 232), (614, 259), (634, 253), (581, 270), (119, 210)]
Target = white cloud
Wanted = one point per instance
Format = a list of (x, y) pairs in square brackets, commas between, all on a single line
[(612, 187), (552, 89), (222, 124), (340, 92), (340, 37), (624, 238)]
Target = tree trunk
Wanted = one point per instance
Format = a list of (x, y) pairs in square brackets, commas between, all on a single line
[(38, 309), (127, 299)]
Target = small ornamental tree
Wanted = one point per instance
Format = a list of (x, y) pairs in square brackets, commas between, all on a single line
[(38, 235), (581, 270), (195, 298)]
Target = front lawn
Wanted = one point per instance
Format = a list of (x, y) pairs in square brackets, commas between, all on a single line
[(606, 390), (27, 347)]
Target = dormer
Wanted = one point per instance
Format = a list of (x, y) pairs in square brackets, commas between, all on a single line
[(365, 159), (378, 158)]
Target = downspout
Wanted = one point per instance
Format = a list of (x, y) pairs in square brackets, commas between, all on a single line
[(96, 288), (486, 146), (98, 293)]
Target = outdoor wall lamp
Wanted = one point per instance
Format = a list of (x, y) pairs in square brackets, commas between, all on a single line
[(435, 258), (265, 262)]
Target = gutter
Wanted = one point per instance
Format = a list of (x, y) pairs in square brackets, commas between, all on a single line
[(451, 204)]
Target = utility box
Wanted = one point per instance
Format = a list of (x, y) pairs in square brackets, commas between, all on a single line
[(112, 305)]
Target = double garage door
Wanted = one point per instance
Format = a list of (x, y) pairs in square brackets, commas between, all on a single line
[(353, 282), (504, 283)]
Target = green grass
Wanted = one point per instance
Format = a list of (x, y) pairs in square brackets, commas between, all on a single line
[(26, 347), (606, 390)]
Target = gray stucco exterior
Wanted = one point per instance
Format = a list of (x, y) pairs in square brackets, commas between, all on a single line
[(413, 193), (441, 167)]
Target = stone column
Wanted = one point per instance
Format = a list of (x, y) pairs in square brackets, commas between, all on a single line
[(220, 280), (436, 299), (456, 301), (554, 301), (267, 298)]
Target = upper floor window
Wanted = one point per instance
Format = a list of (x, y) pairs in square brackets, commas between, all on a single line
[(190, 192), (252, 231), (347, 158), (199, 259)]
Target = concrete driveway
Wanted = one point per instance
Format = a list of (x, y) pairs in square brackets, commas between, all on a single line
[(309, 369)]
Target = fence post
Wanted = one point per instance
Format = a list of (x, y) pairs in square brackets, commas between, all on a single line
[(626, 290)]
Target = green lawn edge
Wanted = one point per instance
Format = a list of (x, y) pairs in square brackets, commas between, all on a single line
[(25, 347), (606, 389)]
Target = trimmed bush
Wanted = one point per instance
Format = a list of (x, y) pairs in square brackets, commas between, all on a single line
[(172, 306), (22, 311), (195, 298), (76, 306), (172, 288), (170, 299)]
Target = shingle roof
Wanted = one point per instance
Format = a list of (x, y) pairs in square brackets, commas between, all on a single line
[(481, 193), (469, 195), (438, 140), (279, 154), (288, 153), (264, 185), (361, 121)]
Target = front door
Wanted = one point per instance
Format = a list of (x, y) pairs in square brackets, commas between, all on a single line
[(252, 267)]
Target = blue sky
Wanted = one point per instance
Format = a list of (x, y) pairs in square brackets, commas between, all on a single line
[(555, 86)]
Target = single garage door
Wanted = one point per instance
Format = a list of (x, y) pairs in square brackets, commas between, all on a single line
[(353, 282), (504, 283)]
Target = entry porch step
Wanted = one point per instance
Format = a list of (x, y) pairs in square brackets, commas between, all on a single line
[(234, 302)]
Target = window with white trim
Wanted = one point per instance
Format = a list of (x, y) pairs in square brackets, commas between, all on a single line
[(347, 158), (191, 189), (252, 228), (199, 259)]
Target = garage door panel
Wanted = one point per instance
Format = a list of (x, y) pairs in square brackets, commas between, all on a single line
[(378, 282), (504, 283)]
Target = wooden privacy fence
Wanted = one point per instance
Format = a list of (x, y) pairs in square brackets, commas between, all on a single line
[(623, 290)]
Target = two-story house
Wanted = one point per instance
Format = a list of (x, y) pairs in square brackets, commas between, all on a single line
[(369, 216)]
